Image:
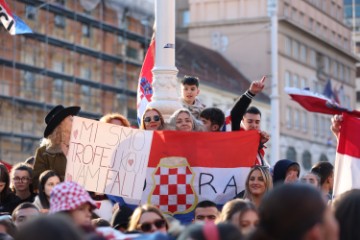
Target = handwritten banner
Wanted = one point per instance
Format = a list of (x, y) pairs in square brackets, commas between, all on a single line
[(107, 158)]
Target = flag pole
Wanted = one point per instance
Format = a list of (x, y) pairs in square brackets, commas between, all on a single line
[(166, 88)]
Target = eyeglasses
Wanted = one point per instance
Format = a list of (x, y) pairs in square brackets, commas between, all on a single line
[(23, 179), (147, 226), (156, 118)]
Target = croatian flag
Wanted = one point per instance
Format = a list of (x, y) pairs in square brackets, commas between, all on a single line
[(12, 23), (187, 168), (318, 103), (145, 91), (347, 162)]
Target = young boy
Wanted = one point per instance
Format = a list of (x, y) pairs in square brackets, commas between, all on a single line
[(189, 91), (213, 119)]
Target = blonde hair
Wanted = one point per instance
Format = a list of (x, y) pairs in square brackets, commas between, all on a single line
[(139, 211), (197, 125), (266, 176), (111, 116)]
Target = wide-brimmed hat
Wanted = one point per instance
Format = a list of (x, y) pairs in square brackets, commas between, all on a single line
[(56, 115), (68, 196)]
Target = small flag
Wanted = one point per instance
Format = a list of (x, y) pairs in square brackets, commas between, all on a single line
[(12, 23), (318, 103), (145, 90)]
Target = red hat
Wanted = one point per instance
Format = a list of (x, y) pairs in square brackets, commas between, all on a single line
[(68, 196)]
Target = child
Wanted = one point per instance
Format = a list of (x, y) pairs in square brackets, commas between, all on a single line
[(189, 91), (213, 119)]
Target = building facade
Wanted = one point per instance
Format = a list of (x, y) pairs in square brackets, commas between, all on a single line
[(352, 19), (80, 53), (314, 47)]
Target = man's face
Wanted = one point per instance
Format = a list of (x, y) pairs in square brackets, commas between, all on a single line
[(206, 214), (209, 127), (24, 215), (251, 121), (21, 180), (189, 93)]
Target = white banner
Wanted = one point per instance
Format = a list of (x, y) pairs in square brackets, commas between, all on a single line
[(107, 158)]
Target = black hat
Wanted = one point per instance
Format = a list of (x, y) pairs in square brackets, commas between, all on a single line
[(56, 115)]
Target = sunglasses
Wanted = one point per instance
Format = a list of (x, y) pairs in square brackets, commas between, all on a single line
[(147, 226), (156, 118)]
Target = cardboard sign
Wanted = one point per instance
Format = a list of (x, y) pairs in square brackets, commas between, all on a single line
[(108, 158)]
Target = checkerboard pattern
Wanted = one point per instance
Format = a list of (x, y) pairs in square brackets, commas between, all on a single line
[(173, 192), (68, 196)]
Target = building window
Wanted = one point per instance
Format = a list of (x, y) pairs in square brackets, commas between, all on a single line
[(58, 90), (341, 71), (30, 12), (326, 64), (297, 119), (303, 83), (335, 69), (60, 21), (296, 80), (311, 24), (295, 48), (86, 30), (287, 79), (313, 58), (60, 2), (85, 95), (347, 74), (185, 18), (304, 121), (85, 73), (316, 125), (291, 154), (286, 10), (323, 158), (303, 53), (289, 117), (288, 46), (131, 52), (306, 160), (29, 82)]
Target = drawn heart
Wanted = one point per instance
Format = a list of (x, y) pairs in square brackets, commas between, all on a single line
[(75, 133), (131, 162)]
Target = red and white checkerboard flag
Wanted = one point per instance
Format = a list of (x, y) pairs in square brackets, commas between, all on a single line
[(186, 168), (347, 162)]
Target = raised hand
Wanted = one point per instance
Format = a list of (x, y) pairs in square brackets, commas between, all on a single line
[(336, 124), (257, 86), (264, 137)]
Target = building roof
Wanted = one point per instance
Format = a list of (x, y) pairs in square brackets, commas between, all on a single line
[(211, 68)]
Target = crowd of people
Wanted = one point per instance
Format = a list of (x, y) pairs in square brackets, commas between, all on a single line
[(277, 203)]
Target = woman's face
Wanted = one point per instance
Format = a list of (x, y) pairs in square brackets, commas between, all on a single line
[(256, 183), (151, 222), (2, 186), (248, 221), (184, 122), (152, 120), (50, 183), (82, 215)]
